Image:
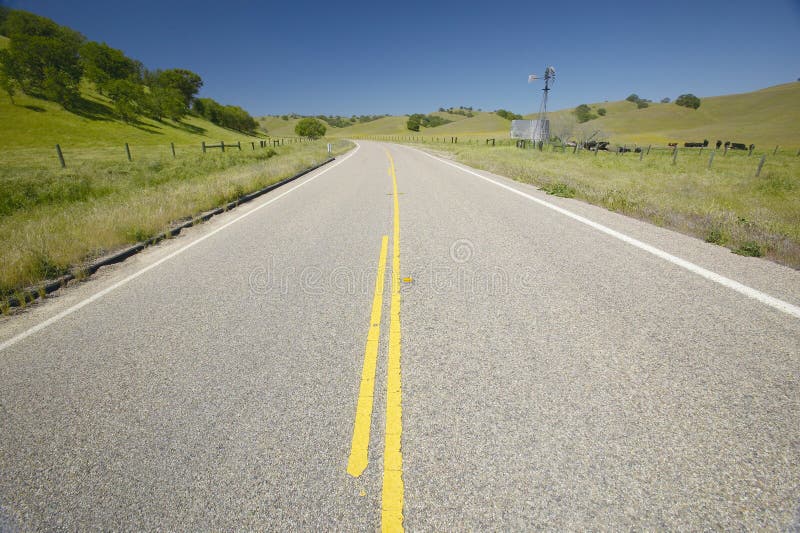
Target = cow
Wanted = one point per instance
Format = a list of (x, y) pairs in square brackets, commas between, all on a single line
[(719, 143), (672, 145), (738, 146)]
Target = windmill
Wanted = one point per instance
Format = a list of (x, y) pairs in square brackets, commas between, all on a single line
[(541, 127)]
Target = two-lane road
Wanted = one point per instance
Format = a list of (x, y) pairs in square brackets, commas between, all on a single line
[(532, 368)]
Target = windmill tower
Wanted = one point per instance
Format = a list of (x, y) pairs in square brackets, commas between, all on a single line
[(541, 127)]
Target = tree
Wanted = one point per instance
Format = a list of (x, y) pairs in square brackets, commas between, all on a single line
[(128, 98), (641, 104), (310, 127), (508, 115), (601, 111), (665, 100), (42, 57), (8, 80), (414, 121), (162, 102), (185, 81), (584, 113), (688, 100), (101, 64), (633, 98)]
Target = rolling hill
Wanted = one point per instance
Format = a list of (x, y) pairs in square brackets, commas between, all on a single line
[(767, 116)]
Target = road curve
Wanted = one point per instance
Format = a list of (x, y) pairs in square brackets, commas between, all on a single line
[(554, 375)]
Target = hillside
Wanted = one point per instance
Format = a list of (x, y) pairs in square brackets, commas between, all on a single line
[(32, 122), (395, 125), (766, 117), (277, 127)]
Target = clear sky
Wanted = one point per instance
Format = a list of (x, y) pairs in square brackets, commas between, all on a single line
[(354, 57)]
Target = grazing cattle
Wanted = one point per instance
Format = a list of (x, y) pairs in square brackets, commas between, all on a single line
[(738, 146), (752, 147), (596, 145), (719, 143), (727, 144), (672, 145), (694, 145)]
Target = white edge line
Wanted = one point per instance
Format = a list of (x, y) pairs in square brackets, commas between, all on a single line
[(66, 312), (750, 292)]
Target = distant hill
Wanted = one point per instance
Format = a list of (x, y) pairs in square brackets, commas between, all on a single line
[(277, 127), (768, 116)]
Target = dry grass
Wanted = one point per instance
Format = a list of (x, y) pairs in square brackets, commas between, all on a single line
[(727, 205)]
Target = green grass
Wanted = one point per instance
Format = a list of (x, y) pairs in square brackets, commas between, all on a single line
[(36, 123), (726, 205), (53, 219)]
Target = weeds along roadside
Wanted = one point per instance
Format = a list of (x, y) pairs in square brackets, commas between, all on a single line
[(726, 205), (53, 220)]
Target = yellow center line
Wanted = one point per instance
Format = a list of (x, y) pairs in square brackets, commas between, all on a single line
[(392, 495), (359, 447)]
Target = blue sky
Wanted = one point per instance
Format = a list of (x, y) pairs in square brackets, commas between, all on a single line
[(336, 57)]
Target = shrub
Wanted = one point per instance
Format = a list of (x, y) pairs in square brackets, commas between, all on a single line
[(601, 111), (665, 100), (633, 98), (311, 128), (508, 115), (641, 104), (584, 113)]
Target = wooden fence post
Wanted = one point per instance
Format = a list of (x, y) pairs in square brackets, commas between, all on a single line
[(239, 144), (641, 154), (674, 155), (128, 151), (253, 144), (648, 148), (172, 145), (751, 150), (761, 164), (776, 150), (60, 156), (711, 159), (222, 145), (204, 147)]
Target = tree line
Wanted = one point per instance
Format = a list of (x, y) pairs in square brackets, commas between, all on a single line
[(49, 61)]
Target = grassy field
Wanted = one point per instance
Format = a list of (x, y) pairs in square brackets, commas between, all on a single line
[(52, 219), (726, 205)]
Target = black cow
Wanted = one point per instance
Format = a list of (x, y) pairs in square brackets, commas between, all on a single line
[(738, 146), (719, 143)]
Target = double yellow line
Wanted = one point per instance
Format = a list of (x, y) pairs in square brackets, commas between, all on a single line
[(392, 493)]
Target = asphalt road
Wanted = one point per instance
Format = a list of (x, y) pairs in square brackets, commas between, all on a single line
[(555, 374)]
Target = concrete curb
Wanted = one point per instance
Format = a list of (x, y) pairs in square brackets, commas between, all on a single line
[(32, 293)]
